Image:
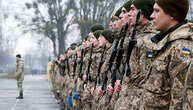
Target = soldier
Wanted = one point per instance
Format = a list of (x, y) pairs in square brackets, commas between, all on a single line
[(105, 39), (62, 75), (129, 96), (103, 98), (57, 80), (78, 88), (87, 97), (172, 53), (69, 78), (19, 75), (82, 78)]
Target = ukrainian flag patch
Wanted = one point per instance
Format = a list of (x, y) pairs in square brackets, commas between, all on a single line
[(186, 51), (150, 54)]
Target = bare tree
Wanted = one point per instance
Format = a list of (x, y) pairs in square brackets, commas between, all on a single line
[(190, 13), (89, 12), (55, 23)]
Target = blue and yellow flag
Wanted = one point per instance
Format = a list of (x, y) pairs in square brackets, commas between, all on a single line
[(150, 54), (186, 51)]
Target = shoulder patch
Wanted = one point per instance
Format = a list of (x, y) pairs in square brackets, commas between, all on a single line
[(150, 54), (186, 51)]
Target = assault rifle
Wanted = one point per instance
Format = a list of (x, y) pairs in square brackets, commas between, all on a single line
[(75, 65), (67, 64), (98, 80), (119, 56), (81, 64), (109, 65), (132, 42), (62, 68), (88, 77)]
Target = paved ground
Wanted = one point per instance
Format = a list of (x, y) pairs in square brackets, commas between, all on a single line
[(37, 95)]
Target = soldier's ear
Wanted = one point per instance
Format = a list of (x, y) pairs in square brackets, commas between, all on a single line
[(172, 18)]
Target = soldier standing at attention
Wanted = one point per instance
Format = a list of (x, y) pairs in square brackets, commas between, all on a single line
[(172, 52), (19, 75)]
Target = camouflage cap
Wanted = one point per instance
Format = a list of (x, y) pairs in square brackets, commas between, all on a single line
[(146, 7), (96, 27), (175, 8), (108, 34)]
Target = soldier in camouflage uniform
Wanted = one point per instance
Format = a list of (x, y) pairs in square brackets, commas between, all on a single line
[(86, 46), (132, 85), (172, 53), (69, 78), (80, 88), (19, 75), (78, 82), (104, 101), (106, 38), (117, 24), (56, 80), (87, 97), (62, 68)]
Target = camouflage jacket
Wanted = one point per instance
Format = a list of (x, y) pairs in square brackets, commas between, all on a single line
[(136, 78), (19, 72), (166, 76)]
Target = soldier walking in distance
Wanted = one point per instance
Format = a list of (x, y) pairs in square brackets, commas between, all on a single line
[(19, 75)]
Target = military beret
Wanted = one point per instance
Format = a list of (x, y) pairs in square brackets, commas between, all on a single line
[(146, 7), (175, 8), (108, 34), (118, 12), (73, 46), (79, 44), (97, 33), (96, 27), (127, 5), (86, 37)]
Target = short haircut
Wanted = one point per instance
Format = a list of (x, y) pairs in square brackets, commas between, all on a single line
[(18, 56)]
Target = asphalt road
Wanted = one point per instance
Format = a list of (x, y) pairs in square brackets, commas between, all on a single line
[(37, 94)]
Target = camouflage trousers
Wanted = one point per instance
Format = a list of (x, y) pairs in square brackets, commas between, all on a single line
[(87, 97), (103, 103), (95, 100), (188, 105), (19, 85), (113, 101), (154, 101)]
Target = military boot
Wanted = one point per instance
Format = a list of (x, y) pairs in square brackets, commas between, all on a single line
[(20, 96)]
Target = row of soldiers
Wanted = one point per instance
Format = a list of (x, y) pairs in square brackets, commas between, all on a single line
[(144, 62)]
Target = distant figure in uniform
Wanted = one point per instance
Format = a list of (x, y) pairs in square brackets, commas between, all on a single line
[(19, 75)]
